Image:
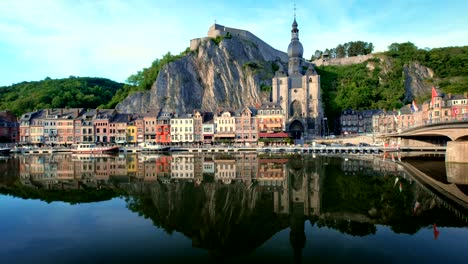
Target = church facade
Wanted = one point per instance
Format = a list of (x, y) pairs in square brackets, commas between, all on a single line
[(297, 91)]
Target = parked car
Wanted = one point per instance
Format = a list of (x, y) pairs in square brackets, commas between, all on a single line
[(362, 144)]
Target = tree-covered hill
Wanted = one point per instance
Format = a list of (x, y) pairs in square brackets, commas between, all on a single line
[(379, 83), (69, 92)]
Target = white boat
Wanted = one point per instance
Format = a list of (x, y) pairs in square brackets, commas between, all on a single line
[(92, 148), (5, 151), (150, 147)]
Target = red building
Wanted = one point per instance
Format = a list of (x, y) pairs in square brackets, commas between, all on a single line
[(163, 128)]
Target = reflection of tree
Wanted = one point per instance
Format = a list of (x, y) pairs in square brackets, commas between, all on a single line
[(72, 196), (353, 228)]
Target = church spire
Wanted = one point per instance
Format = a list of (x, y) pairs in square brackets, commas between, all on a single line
[(295, 50), (294, 30)]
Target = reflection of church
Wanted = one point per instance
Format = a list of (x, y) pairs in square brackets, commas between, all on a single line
[(298, 92)]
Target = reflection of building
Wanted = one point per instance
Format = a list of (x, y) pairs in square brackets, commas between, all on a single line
[(225, 169), (182, 167), (246, 167), (271, 172)]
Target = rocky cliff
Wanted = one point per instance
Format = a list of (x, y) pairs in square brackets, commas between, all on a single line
[(414, 76), (224, 74)]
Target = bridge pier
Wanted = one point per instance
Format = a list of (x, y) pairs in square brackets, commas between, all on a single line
[(457, 152), (457, 172)]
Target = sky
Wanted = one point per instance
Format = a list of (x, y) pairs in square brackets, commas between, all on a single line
[(116, 38)]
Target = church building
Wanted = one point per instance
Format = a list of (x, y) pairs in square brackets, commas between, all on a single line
[(298, 92)]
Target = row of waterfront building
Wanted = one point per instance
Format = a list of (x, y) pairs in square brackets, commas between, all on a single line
[(244, 126), (441, 108), (72, 126)]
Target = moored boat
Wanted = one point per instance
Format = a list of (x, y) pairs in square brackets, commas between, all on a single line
[(5, 151), (93, 148), (150, 147)]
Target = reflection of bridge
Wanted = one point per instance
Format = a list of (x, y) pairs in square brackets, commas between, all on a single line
[(448, 190)]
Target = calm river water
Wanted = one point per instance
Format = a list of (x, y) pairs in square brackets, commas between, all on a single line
[(228, 208)]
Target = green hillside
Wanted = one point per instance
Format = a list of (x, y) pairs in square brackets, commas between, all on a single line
[(69, 92), (382, 86)]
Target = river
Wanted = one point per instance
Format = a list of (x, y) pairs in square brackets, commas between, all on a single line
[(232, 208)]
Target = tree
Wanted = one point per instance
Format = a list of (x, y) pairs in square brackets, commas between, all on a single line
[(340, 51), (318, 54)]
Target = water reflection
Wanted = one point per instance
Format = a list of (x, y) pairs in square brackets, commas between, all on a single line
[(232, 204)]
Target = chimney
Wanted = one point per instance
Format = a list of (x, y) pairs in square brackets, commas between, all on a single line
[(465, 94), (97, 111), (449, 96), (77, 112), (61, 111)]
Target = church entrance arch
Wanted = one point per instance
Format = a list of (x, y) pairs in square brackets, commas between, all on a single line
[(296, 129)]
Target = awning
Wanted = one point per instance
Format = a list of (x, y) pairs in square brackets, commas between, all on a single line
[(224, 135), (273, 135), (273, 125)]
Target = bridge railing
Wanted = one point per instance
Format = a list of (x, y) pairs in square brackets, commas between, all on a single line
[(433, 122)]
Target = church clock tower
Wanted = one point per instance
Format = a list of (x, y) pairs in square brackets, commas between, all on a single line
[(298, 92)]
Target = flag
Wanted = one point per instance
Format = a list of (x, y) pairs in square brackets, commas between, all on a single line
[(436, 231), (455, 111), (414, 106), (399, 112), (434, 95)]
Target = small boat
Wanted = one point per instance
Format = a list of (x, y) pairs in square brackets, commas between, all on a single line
[(92, 148), (150, 147), (5, 151)]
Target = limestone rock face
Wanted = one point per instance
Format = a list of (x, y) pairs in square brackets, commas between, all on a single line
[(224, 75), (414, 75)]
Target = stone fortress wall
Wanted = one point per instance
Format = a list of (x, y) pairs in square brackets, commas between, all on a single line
[(220, 30), (343, 61)]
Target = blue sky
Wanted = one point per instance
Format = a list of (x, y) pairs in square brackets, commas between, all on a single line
[(116, 38)]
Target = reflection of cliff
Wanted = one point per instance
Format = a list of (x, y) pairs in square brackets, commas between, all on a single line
[(215, 216)]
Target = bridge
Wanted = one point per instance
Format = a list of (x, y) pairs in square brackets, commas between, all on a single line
[(454, 130), (453, 134)]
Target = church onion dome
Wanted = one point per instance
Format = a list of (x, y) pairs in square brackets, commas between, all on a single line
[(295, 49)]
